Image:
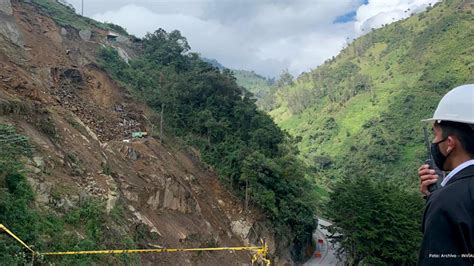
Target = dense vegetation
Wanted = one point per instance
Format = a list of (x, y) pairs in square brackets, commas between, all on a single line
[(357, 122), (206, 107), (49, 230), (375, 222)]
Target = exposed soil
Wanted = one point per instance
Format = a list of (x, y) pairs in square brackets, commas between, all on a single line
[(77, 117)]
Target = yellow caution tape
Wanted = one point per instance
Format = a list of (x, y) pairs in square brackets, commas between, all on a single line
[(16, 238), (261, 252), (161, 250)]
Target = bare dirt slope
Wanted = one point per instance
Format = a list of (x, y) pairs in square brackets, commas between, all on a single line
[(77, 117)]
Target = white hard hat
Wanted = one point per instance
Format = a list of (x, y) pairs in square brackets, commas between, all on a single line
[(456, 106)]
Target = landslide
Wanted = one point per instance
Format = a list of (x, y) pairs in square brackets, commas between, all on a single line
[(77, 118)]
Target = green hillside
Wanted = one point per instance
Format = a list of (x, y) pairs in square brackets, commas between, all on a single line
[(359, 113), (65, 15), (255, 83), (262, 88)]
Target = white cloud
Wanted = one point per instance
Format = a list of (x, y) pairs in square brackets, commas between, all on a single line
[(266, 35), (379, 12), (268, 38)]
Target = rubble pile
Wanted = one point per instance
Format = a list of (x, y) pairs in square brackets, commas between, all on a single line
[(115, 124)]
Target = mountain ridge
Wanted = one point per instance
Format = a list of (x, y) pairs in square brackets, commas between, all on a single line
[(403, 67)]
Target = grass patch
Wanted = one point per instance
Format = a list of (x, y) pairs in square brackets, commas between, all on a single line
[(66, 16)]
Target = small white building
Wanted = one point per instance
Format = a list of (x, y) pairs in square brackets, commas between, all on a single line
[(112, 36)]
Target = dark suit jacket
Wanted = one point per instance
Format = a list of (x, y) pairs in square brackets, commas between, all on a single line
[(448, 223)]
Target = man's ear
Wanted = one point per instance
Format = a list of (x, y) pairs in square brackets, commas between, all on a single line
[(452, 142)]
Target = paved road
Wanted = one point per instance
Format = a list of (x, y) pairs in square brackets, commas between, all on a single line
[(328, 256)]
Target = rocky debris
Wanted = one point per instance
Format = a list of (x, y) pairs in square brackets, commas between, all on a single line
[(144, 220), (130, 195), (64, 32), (64, 203), (72, 75), (74, 164), (90, 185), (107, 125)]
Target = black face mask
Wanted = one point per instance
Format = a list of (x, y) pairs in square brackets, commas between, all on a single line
[(438, 157)]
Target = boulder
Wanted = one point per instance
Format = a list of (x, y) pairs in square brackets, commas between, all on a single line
[(9, 28), (85, 35), (6, 7)]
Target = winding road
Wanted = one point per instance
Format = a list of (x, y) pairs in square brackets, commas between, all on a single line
[(328, 252)]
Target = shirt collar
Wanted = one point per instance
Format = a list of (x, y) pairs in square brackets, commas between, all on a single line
[(456, 170)]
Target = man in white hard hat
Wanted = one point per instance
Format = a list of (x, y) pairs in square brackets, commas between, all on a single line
[(448, 220)]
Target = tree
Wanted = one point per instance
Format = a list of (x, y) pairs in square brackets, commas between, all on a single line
[(300, 99), (166, 48), (205, 106), (286, 79), (375, 220)]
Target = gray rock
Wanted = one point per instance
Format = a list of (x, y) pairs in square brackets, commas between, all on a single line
[(63, 204), (221, 202), (39, 162), (154, 200), (131, 196), (42, 190), (241, 228), (6, 7), (123, 54), (9, 29), (123, 39), (133, 154), (85, 35), (63, 32)]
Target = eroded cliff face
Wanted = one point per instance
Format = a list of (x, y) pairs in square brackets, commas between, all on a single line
[(79, 121)]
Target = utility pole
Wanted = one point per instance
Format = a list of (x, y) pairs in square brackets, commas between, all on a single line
[(162, 110), (82, 9), (161, 122)]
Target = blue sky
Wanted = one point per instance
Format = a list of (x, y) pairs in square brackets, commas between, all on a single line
[(351, 15), (266, 36), (348, 17)]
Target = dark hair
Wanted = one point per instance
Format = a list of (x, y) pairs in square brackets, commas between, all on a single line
[(464, 132)]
